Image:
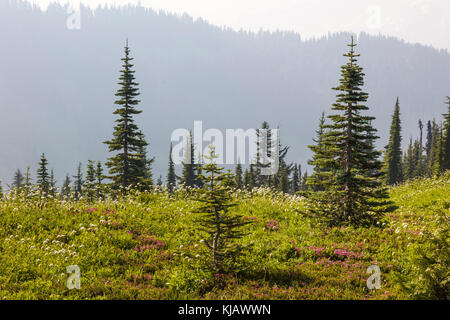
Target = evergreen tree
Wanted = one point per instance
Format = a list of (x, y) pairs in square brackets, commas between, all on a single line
[(433, 148), (78, 182), (421, 134), (428, 148), (188, 178), (230, 180), (428, 140), (18, 179), (417, 160), (420, 160), (42, 175), (353, 192), (304, 186), (99, 173), (438, 151), (321, 173), (171, 177), (393, 155), (52, 183), (90, 181), (295, 182), (159, 181), (251, 177), (125, 168), (27, 180), (408, 167), (145, 165), (246, 179), (66, 186), (262, 134), (283, 179), (223, 229), (238, 176), (99, 177), (199, 182), (446, 139)]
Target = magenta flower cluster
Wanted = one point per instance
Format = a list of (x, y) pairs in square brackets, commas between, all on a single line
[(272, 225)]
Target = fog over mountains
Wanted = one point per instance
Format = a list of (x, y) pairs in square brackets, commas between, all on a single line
[(57, 85)]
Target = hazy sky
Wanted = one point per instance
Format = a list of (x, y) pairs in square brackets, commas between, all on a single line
[(423, 21)]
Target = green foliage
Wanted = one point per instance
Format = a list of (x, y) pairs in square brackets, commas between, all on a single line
[(65, 191), (171, 177), (189, 178), (223, 228), (127, 166), (99, 177), (351, 168), (90, 181), (425, 272), (27, 179), (446, 139), (42, 175), (296, 179), (79, 182), (145, 166), (238, 176), (393, 156), (147, 247), (321, 173), (18, 179), (429, 261)]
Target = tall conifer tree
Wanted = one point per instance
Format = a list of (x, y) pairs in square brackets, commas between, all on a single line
[(78, 182), (221, 226), (18, 179), (52, 183), (125, 167), (408, 166), (188, 177), (145, 165), (171, 177), (353, 192), (393, 156), (199, 166), (66, 186), (238, 176), (321, 154), (42, 175), (27, 180), (446, 139), (295, 181), (90, 181)]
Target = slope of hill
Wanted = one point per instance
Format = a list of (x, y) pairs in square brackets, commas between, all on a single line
[(57, 85)]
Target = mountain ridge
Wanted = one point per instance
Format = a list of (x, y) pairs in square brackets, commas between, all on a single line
[(57, 85)]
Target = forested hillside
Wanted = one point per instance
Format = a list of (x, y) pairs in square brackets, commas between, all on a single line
[(57, 85)]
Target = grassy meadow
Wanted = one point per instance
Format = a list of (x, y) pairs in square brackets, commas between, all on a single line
[(148, 247)]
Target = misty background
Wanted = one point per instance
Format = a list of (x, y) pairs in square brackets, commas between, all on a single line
[(57, 85)]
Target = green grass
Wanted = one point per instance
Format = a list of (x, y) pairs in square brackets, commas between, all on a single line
[(147, 247)]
